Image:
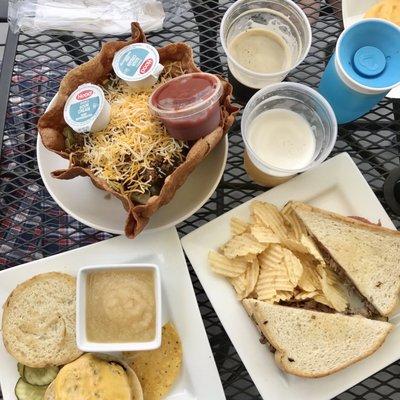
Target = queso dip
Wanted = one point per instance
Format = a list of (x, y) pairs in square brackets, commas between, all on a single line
[(120, 306)]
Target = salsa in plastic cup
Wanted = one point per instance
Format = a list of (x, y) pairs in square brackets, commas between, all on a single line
[(188, 105)]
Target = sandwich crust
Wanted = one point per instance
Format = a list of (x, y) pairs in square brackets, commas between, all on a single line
[(353, 221)]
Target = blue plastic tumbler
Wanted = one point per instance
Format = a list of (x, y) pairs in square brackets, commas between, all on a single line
[(363, 69)]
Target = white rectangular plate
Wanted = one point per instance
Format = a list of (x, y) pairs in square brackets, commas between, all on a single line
[(336, 185), (199, 377)]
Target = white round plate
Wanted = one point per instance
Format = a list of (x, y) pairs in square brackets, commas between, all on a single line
[(97, 209), (353, 11)]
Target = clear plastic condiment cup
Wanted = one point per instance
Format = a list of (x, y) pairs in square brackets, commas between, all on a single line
[(187, 110), (302, 100), (282, 17)]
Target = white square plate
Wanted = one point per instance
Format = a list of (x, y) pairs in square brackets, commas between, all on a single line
[(336, 185), (199, 377)]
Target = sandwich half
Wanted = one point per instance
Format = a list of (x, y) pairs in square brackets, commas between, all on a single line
[(314, 344), (366, 254)]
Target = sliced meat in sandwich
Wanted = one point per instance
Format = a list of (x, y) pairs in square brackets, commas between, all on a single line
[(368, 255)]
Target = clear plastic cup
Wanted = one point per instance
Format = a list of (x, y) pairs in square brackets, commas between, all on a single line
[(305, 102), (189, 108), (282, 17)]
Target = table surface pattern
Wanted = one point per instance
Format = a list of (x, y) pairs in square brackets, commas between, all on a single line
[(32, 226)]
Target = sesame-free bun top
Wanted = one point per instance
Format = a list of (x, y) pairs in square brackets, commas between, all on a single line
[(38, 322)]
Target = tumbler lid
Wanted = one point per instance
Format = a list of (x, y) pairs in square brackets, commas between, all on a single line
[(369, 61), (368, 54)]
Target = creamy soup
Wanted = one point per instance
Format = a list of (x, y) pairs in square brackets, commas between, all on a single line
[(120, 306)]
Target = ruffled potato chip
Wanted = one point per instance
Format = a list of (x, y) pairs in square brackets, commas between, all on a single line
[(274, 259), (320, 298), (265, 292), (293, 266), (250, 257), (296, 227), (309, 280), (239, 284), (271, 257), (252, 274), (245, 283), (333, 295), (238, 226), (287, 208), (225, 266), (332, 277), (270, 216), (243, 244), (306, 295), (264, 234), (312, 248), (295, 246), (276, 278), (283, 295)]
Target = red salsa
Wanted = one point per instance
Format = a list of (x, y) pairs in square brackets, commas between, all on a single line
[(188, 105)]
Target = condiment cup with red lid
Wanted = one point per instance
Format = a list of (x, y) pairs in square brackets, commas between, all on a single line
[(188, 105)]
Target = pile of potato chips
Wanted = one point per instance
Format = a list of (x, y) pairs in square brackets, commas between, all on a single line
[(272, 258)]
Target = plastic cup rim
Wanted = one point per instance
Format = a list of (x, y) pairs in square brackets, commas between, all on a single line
[(311, 92), (259, 74), (339, 62)]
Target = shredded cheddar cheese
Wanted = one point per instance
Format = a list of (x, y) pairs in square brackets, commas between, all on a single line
[(129, 151)]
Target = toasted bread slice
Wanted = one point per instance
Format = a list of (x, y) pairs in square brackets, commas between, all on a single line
[(39, 321), (368, 254), (314, 344)]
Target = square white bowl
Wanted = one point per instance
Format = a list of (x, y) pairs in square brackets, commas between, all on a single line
[(81, 337)]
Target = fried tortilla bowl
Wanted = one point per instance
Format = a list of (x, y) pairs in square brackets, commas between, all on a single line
[(51, 125)]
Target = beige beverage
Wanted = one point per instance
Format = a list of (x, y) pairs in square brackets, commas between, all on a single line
[(281, 139), (261, 51)]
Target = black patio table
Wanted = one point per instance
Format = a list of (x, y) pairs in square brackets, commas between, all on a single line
[(32, 226)]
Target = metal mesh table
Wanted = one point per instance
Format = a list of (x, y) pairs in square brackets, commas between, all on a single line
[(32, 226)]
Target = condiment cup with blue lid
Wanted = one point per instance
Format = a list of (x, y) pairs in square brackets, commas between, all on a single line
[(138, 65), (87, 109)]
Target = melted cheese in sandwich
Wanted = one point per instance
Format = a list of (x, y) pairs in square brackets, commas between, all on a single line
[(90, 378)]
